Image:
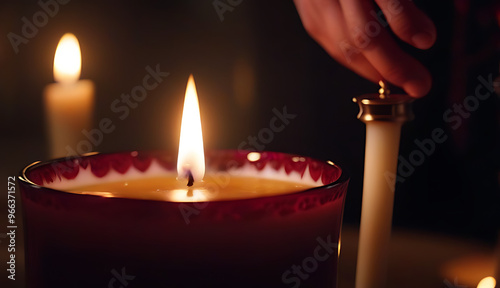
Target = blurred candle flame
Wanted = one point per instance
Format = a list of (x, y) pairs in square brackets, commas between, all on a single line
[(487, 282), (191, 157), (68, 60)]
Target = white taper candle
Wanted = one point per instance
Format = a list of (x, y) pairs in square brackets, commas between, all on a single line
[(384, 116), (69, 102)]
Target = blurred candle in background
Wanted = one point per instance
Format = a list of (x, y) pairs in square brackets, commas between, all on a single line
[(68, 102)]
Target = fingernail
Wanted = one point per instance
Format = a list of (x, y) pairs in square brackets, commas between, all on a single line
[(422, 40)]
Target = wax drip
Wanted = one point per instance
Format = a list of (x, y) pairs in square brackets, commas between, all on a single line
[(190, 179)]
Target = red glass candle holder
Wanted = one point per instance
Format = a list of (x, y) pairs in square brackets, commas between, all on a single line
[(75, 240)]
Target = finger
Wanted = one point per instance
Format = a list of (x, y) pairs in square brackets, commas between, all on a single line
[(400, 69), (324, 21), (375, 43), (408, 22)]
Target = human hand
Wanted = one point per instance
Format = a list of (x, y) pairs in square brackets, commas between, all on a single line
[(354, 34)]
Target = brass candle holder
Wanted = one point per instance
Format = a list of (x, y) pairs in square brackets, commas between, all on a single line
[(384, 106)]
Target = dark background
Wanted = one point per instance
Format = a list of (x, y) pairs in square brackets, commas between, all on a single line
[(259, 58)]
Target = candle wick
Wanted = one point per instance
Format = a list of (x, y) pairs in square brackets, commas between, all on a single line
[(190, 192), (190, 179), (384, 89)]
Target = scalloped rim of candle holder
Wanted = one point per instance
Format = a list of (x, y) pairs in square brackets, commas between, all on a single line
[(93, 168)]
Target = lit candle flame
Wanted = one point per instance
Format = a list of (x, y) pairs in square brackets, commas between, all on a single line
[(191, 157), (487, 282), (68, 60)]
